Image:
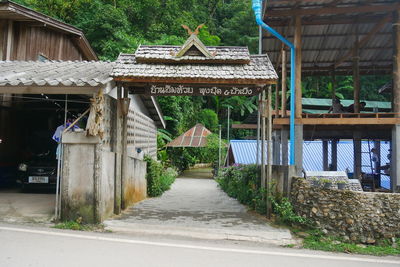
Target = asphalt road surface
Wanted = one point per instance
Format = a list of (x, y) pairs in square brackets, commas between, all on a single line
[(27, 246)]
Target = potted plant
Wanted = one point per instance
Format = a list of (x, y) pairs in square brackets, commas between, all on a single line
[(327, 183), (341, 184)]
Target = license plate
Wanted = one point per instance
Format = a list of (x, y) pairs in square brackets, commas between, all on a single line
[(38, 179)]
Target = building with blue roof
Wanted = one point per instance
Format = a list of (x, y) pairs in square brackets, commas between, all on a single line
[(245, 151)]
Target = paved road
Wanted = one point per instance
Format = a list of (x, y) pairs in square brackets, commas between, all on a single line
[(41, 247), (198, 208)]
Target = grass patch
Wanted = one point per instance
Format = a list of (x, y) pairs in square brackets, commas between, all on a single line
[(316, 240), (79, 226)]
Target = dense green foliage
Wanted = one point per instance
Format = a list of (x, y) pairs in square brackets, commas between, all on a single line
[(114, 26), (243, 183), (159, 179)]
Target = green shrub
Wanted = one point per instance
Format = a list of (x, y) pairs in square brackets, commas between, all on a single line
[(158, 178), (243, 183)]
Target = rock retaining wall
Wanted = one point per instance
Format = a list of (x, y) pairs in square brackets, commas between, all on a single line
[(358, 216)]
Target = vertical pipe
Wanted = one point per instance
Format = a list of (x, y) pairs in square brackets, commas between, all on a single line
[(260, 22)]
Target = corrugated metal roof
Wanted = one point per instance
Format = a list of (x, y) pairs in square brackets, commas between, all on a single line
[(194, 137), (323, 102), (244, 152), (328, 36)]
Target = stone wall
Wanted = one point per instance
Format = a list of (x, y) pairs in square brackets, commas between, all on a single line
[(358, 216)]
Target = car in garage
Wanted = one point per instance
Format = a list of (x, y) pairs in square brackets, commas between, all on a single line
[(39, 172)]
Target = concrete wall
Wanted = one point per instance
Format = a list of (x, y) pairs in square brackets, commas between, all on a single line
[(79, 181), (135, 186), (89, 179), (107, 184), (358, 216), (282, 177)]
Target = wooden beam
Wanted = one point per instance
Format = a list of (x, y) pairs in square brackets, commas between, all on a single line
[(327, 20), (298, 45), (244, 126), (396, 62), (364, 40), (304, 36), (339, 121), (333, 10), (226, 82)]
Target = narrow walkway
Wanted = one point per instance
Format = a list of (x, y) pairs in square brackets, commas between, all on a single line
[(198, 208)]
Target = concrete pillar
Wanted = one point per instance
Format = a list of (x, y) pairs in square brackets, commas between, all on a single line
[(325, 161), (124, 153), (334, 154), (118, 151), (276, 149), (285, 146), (298, 130), (357, 154)]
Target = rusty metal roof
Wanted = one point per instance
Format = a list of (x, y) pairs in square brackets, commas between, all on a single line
[(329, 32), (195, 137)]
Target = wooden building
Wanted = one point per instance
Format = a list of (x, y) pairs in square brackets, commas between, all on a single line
[(337, 37), (29, 35)]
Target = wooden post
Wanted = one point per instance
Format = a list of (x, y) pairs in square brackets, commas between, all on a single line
[(298, 142), (333, 74), (325, 155), (356, 74), (395, 154), (297, 43), (334, 154), (269, 148), (10, 41), (263, 178), (276, 101), (396, 63), (357, 154), (283, 84)]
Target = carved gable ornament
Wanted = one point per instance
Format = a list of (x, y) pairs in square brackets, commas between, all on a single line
[(193, 46)]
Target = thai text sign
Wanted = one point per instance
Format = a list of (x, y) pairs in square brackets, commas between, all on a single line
[(196, 90)]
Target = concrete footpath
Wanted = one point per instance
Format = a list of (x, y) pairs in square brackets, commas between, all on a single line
[(198, 208)]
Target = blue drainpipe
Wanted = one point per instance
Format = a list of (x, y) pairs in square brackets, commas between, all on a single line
[(257, 7)]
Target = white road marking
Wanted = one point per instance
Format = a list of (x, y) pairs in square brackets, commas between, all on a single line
[(160, 244)]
